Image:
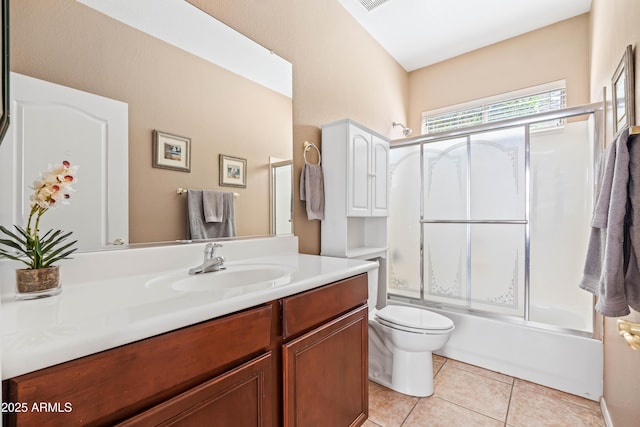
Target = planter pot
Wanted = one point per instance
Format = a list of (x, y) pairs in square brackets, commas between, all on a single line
[(38, 283)]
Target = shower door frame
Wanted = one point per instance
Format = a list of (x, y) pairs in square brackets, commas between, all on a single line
[(595, 110)]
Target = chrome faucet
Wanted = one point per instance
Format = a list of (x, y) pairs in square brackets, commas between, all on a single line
[(211, 262)]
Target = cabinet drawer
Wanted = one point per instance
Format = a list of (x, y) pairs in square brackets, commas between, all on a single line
[(304, 311), (115, 384), (246, 389)]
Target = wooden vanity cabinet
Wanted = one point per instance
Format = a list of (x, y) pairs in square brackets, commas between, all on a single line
[(325, 357), (299, 361), (114, 385)]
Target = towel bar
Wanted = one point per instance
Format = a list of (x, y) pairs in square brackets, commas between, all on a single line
[(181, 191)]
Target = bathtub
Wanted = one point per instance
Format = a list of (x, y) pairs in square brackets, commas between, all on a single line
[(561, 318), (556, 359)]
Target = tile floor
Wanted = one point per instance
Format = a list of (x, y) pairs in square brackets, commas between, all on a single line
[(469, 396)]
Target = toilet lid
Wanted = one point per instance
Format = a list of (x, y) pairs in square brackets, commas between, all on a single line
[(414, 317)]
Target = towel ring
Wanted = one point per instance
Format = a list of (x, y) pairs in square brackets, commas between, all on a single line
[(308, 146)]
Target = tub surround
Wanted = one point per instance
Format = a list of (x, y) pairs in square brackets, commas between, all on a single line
[(109, 299)]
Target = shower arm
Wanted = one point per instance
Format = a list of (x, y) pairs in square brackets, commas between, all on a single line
[(405, 130)]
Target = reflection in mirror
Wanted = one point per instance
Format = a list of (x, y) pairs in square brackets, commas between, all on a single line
[(53, 123), (281, 197), (166, 88)]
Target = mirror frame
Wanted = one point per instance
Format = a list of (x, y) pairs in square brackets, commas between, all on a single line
[(4, 52)]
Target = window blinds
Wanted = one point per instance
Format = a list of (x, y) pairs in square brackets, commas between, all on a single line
[(499, 110)]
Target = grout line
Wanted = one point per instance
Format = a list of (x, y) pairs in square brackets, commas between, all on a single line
[(561, 399), (420, 398), (473, 410), (410, 411), (567, 403), (484, 374), (506, 418), (481, 376)]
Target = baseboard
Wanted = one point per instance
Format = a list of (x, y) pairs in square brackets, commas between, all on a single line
[(605, 413)]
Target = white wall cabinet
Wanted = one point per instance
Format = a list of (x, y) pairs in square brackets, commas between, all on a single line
[(355, 163), (366, 170)]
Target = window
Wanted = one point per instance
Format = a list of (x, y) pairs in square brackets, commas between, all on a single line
[(538, 99)]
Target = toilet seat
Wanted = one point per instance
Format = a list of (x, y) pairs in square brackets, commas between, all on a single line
[(412, 319)]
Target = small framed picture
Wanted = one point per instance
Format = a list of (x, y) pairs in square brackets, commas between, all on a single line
[(233, 171), (622, 87), (171, 151)]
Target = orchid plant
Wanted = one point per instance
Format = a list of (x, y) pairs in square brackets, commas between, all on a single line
[(25, 244)]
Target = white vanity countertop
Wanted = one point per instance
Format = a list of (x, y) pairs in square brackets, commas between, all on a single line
[(98, 315)]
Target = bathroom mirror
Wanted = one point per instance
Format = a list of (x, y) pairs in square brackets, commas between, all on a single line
[(223, 109)]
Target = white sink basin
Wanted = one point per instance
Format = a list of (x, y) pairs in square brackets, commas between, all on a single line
[(238, 278)]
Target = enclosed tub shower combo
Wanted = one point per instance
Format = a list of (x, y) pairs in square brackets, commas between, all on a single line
[(489, 225)]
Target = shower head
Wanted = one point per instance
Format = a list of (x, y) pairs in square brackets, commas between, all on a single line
[(405, 130)]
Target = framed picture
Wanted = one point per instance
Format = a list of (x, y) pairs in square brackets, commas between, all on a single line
[(233, 171), (622, 88), (171, 151)]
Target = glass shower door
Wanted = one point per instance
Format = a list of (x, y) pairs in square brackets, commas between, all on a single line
[(496, 222), (474, 221), (445, 206), (404, 222)]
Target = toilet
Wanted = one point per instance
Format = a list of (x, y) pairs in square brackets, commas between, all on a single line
[(401, 342)]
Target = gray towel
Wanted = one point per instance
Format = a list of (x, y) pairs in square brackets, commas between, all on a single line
[(198, 228), (213, 205), (613, 250), (312, 190), (632, 275)]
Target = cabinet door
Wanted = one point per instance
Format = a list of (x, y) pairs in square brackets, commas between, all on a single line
[(358, 173), (380, 177), (325, 374), (239, 398)]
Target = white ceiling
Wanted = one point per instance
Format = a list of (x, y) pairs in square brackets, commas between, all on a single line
[(418, 33)]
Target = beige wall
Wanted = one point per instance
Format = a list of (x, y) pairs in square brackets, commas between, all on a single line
[(167, 89), (614, 25), (555, 52), (339, 72)]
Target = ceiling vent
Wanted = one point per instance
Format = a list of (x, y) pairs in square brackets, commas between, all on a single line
[(371, 4)]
